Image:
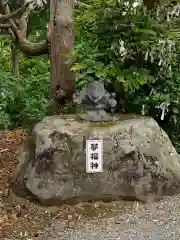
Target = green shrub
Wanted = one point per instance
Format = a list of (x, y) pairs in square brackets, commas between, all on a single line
[(136, 52), (23, 100)]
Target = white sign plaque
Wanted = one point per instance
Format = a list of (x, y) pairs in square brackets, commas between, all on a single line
[(94, 156)]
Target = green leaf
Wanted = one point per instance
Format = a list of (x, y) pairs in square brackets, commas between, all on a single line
[(90, 70), (144, 31), (120, 78), (78, 66), (141, 81), (99, 74)]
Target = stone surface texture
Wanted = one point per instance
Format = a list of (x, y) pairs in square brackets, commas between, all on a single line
[(139, 161)]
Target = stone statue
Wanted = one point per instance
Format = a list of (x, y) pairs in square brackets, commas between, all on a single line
[(97, 100)]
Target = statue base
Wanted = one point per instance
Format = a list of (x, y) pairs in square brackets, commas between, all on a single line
[(139, 162), (97, 116)]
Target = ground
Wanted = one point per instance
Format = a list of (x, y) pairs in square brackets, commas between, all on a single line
[(135, 221), (20, 219), (15, 218), (24, 220)]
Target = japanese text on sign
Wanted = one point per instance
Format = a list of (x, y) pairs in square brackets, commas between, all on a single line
[(94, 156)]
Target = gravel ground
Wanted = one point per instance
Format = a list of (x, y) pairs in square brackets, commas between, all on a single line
[(126, 221)]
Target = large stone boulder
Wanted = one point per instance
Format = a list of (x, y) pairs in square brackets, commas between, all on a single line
[(139, 161)]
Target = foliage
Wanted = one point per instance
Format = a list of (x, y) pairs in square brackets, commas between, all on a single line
[(23, 100), (37, 26), (135, 51)]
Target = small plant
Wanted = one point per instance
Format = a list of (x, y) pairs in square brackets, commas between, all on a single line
[(23, 100), (136, 52)]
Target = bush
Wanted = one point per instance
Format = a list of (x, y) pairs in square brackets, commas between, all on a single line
[(135, 51), (23, 100)]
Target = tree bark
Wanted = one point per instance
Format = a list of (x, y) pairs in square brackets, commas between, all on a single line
[(150, 4), (15, 60), (32, 49), (61, 32)]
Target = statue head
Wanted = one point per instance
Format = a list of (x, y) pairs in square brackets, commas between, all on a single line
[(95, 91), (96, 99)]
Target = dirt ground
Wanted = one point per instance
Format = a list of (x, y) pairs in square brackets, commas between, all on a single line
[(15, 218), (21, 219), (24, 220)]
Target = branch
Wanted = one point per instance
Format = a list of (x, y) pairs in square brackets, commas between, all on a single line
[(18, 33), (23, 22), (13, 31), (32, 49), (15, 13), (5, 25)]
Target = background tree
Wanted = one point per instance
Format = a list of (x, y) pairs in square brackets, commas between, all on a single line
[(61, 45), (58, 43), (133, 48), (136, 51), (151, 4)]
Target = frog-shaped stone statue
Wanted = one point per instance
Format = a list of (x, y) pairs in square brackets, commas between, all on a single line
[(97, 99)]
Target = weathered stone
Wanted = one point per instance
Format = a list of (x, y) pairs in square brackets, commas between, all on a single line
[(139, 162), (97, 99)]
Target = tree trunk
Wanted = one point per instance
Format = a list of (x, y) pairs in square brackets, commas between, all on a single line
[(151, 4), (15, 60), (61, 32)]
